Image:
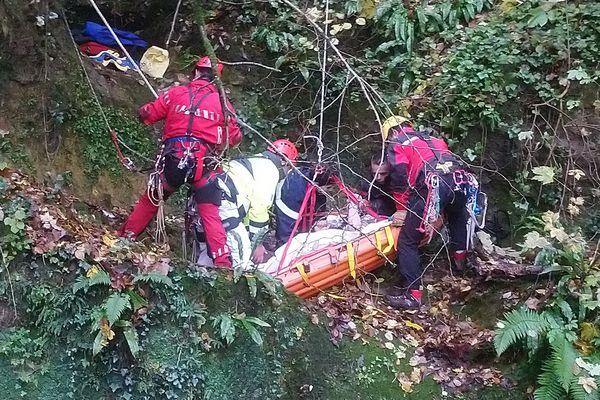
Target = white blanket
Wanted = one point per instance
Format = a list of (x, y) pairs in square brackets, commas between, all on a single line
[(304, 243)]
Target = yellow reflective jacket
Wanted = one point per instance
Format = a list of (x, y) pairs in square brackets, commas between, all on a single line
[(255, 179)]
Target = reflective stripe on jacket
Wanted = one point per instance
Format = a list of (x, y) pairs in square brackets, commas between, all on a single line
[(255, 179), (208, 122)]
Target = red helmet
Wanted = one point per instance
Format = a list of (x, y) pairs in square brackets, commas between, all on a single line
[(285, 147), (204, 62)]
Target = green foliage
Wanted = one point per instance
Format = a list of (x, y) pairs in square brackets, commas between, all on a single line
[(13, 238), (115, 305), (89, 123), (99, 151), (565, 333), (97, 277), (25, 352), (518, 325), (226, 325), (154, 277)]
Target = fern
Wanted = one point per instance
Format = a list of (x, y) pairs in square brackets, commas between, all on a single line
[(549, 388), (562, 361), (99, 278), (517, 325), (115, 305), (577, 392), (154, 277)]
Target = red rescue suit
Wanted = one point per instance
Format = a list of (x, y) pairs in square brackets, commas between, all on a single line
[(415, 157), (194, 128)]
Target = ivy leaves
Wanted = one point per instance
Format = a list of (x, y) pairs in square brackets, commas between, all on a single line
[(227, 324)]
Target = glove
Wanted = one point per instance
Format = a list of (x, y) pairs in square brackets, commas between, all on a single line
[(259, 254), (398, 218)]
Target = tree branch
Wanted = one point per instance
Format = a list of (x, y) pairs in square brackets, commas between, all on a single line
[(210, 51)]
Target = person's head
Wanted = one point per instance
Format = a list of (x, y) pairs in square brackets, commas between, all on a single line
[(203, 69), (284, 147), (380, 168), (393, 124), (322, 174)]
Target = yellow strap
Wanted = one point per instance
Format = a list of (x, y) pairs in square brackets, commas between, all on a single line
[(351, 259), (390, 239), (300, 268), (378, 241)]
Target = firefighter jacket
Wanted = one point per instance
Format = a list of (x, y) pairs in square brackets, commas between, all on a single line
[(192, 110)]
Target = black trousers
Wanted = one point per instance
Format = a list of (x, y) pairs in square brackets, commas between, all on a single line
[(452, 205)]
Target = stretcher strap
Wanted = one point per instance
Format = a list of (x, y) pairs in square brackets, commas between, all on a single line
[(302, 271), (351, 259), (307, 196), (304, 275), (390, 240)]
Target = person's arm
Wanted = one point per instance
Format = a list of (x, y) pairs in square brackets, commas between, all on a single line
[(262, 199), (156, 110), (399, 186)]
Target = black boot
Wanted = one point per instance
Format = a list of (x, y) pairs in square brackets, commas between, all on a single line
[(407, 300), (459, 261)]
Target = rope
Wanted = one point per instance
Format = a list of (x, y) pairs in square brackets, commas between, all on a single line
[(114, 136), (323, 68), (114, 35), (307, 196)]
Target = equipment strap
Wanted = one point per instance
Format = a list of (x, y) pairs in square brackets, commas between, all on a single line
[(351, 259), (194, 107)]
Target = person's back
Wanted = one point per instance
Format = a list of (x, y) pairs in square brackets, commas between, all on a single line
[(249, 186), (199, 97), (291, 194)]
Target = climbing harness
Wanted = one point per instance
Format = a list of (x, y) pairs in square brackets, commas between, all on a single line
[(431, 211), (476, 207)]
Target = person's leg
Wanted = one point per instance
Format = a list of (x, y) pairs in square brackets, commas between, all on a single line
[(238, 241), (145, 208), (208, 198), (409, 264), (454, 206), (142, 213), (409, 293)]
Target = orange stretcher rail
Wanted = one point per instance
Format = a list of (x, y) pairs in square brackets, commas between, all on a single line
[(312, 273)]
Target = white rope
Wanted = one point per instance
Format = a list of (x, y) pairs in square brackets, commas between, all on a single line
[(323, 68), (114, 35)]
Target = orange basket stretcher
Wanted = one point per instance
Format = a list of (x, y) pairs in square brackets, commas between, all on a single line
[(314, 272)]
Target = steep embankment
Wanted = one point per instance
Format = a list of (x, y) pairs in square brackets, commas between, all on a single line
[(87, 315)]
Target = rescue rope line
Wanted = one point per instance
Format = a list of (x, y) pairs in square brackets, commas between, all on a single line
[(323, 68), (127, 163), (114, 35)]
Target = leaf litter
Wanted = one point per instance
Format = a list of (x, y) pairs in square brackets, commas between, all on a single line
[(454, 350)]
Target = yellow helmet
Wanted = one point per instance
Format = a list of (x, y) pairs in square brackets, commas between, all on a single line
[(391, 122)]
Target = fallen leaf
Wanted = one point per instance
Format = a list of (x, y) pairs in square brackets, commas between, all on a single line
[(414, 326), (389, 345), (589, 384), (532, 303)]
